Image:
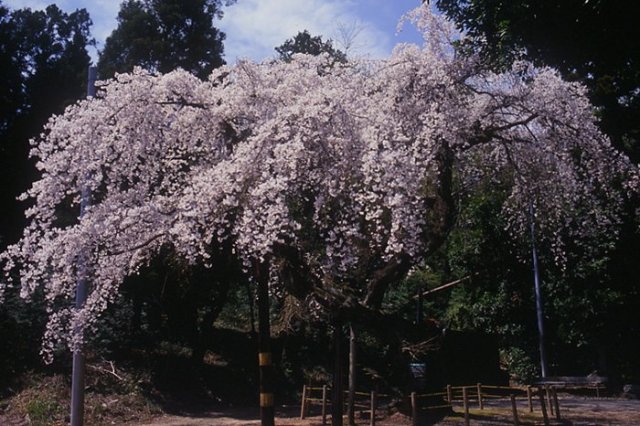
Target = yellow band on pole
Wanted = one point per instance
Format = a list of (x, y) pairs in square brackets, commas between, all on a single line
[(264, 358), (266, 400)]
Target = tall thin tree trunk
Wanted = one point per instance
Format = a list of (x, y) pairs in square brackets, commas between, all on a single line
[(252, 316), (336, 397), (351, 415), (267, 411), (538, 293)]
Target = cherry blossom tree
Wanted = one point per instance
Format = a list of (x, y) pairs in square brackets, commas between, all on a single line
[(328, 182)]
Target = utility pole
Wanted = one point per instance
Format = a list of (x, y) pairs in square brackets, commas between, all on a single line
[(538, 292), (77, 374)]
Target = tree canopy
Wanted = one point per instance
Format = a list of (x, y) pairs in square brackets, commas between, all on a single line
[(162, 35), (37, 48), (305, 43), (338, 181), (594, 42)]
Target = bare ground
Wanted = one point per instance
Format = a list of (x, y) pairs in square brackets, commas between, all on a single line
[(576, 411)]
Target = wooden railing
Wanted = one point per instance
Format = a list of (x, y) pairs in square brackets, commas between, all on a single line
[(450, 396), (319, 396)]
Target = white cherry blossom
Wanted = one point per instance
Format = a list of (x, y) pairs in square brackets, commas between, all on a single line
[(346, 175)]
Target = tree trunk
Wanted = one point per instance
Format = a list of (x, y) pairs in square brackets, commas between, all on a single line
[(351, 415), (252, 316), (336, 398), (267, 411)]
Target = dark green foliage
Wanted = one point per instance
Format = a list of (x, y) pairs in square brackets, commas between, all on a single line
[(170, 302), (21, 329), (588, 299), (595, 42), (44, 64), (162, 35), (305, 43)]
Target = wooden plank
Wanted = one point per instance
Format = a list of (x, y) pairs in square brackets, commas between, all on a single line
[(444, 286), (547, 391), (324, 405), (542, 406), (414, 410), (556, 404), (465, 404)]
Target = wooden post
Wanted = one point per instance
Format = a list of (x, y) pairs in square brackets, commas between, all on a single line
[(449, 394), (529, 399), (555, 403), (372, 420), (514, 409), (547, 392), (479, 386), (337, 396), (543, 407), (304, 401), (414, 409), (465, 404), (324, 405), (351, 397)]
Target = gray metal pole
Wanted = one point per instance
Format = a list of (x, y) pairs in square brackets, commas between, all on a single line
[(77, 374), (536, 282)]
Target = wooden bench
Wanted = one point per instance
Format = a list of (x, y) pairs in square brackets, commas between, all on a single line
[(591, 381)]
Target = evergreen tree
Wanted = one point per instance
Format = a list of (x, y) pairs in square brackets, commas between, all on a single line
[(43, 60), (304, 42), (162, 35), (44, 64)]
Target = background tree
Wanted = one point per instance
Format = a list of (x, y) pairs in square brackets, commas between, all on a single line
[(305, 43), (162, 35), (44, 62), (594, 42), (588, 299)]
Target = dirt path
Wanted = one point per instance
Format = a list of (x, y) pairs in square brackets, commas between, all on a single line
[(574, 411)]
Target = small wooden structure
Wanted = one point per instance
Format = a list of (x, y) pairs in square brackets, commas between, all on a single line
[(319, 396), (592, 381)]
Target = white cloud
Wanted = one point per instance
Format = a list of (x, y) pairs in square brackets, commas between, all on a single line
[(32, 4), (255, 27)]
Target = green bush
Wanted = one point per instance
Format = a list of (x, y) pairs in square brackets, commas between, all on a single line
[(519, 365)]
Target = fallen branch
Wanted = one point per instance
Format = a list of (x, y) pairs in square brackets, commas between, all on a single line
[(104, 370)]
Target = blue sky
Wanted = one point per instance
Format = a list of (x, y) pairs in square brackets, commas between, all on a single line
[(255, 27)]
